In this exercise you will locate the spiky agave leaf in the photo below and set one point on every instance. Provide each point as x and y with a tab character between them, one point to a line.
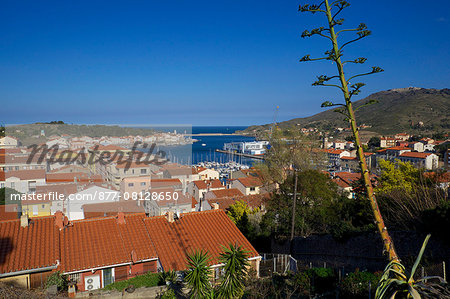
393	282
198	274
236	264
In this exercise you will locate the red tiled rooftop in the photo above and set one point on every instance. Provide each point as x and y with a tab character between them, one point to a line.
27	174
415	155
206	230
98	242
253	201
112	208
70	177
227	192
250	182
213	184
9	212
398	148
166	197
63	188
164	183
110	147
31	247
348	158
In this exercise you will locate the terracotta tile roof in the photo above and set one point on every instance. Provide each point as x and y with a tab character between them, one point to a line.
31	247
181	199
112	208
64	188
206	230
109	148
69	177
9	212
253	201
250	182
214	184
350	177
127	164
333	151
398	148
200	169
226	193
164	183
98	242
22	159
68	168
341	183
180	171
27	174
415	155
348	158
10	151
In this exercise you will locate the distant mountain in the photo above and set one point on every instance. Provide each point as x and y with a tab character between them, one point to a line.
398	110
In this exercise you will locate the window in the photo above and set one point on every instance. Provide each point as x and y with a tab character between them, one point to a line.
130	184
13	185
35	210
43	206
252	188
2	185
143	184
143	171
75	277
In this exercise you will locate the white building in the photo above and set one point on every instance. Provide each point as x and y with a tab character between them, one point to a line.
8	142
251	148
94	194
24	181
420	160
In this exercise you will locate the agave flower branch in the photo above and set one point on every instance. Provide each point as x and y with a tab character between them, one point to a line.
331	9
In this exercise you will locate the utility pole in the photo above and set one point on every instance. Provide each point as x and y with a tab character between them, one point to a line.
294	205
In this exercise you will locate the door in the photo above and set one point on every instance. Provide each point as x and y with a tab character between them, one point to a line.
107	277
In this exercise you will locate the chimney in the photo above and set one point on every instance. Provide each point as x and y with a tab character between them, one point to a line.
59	220
120	218
24	220
170	216
215	206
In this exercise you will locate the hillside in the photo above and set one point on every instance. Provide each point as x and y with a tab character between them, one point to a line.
30	133
414	110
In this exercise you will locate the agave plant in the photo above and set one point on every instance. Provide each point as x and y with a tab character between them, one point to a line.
236	264
168	277
394	282
198	275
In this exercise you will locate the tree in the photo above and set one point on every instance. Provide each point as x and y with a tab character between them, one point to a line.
374	142
317	210
236	264
398	176
198	274
289	149
348	89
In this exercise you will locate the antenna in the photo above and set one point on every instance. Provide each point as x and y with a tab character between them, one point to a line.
274	123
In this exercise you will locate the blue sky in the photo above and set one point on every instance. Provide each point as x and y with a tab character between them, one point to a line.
200	62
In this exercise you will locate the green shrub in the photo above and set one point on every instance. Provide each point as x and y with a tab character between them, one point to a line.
57	279
322	279
145	280
356	284
169	294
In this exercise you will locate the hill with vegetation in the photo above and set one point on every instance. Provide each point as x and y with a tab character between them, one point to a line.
413	110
